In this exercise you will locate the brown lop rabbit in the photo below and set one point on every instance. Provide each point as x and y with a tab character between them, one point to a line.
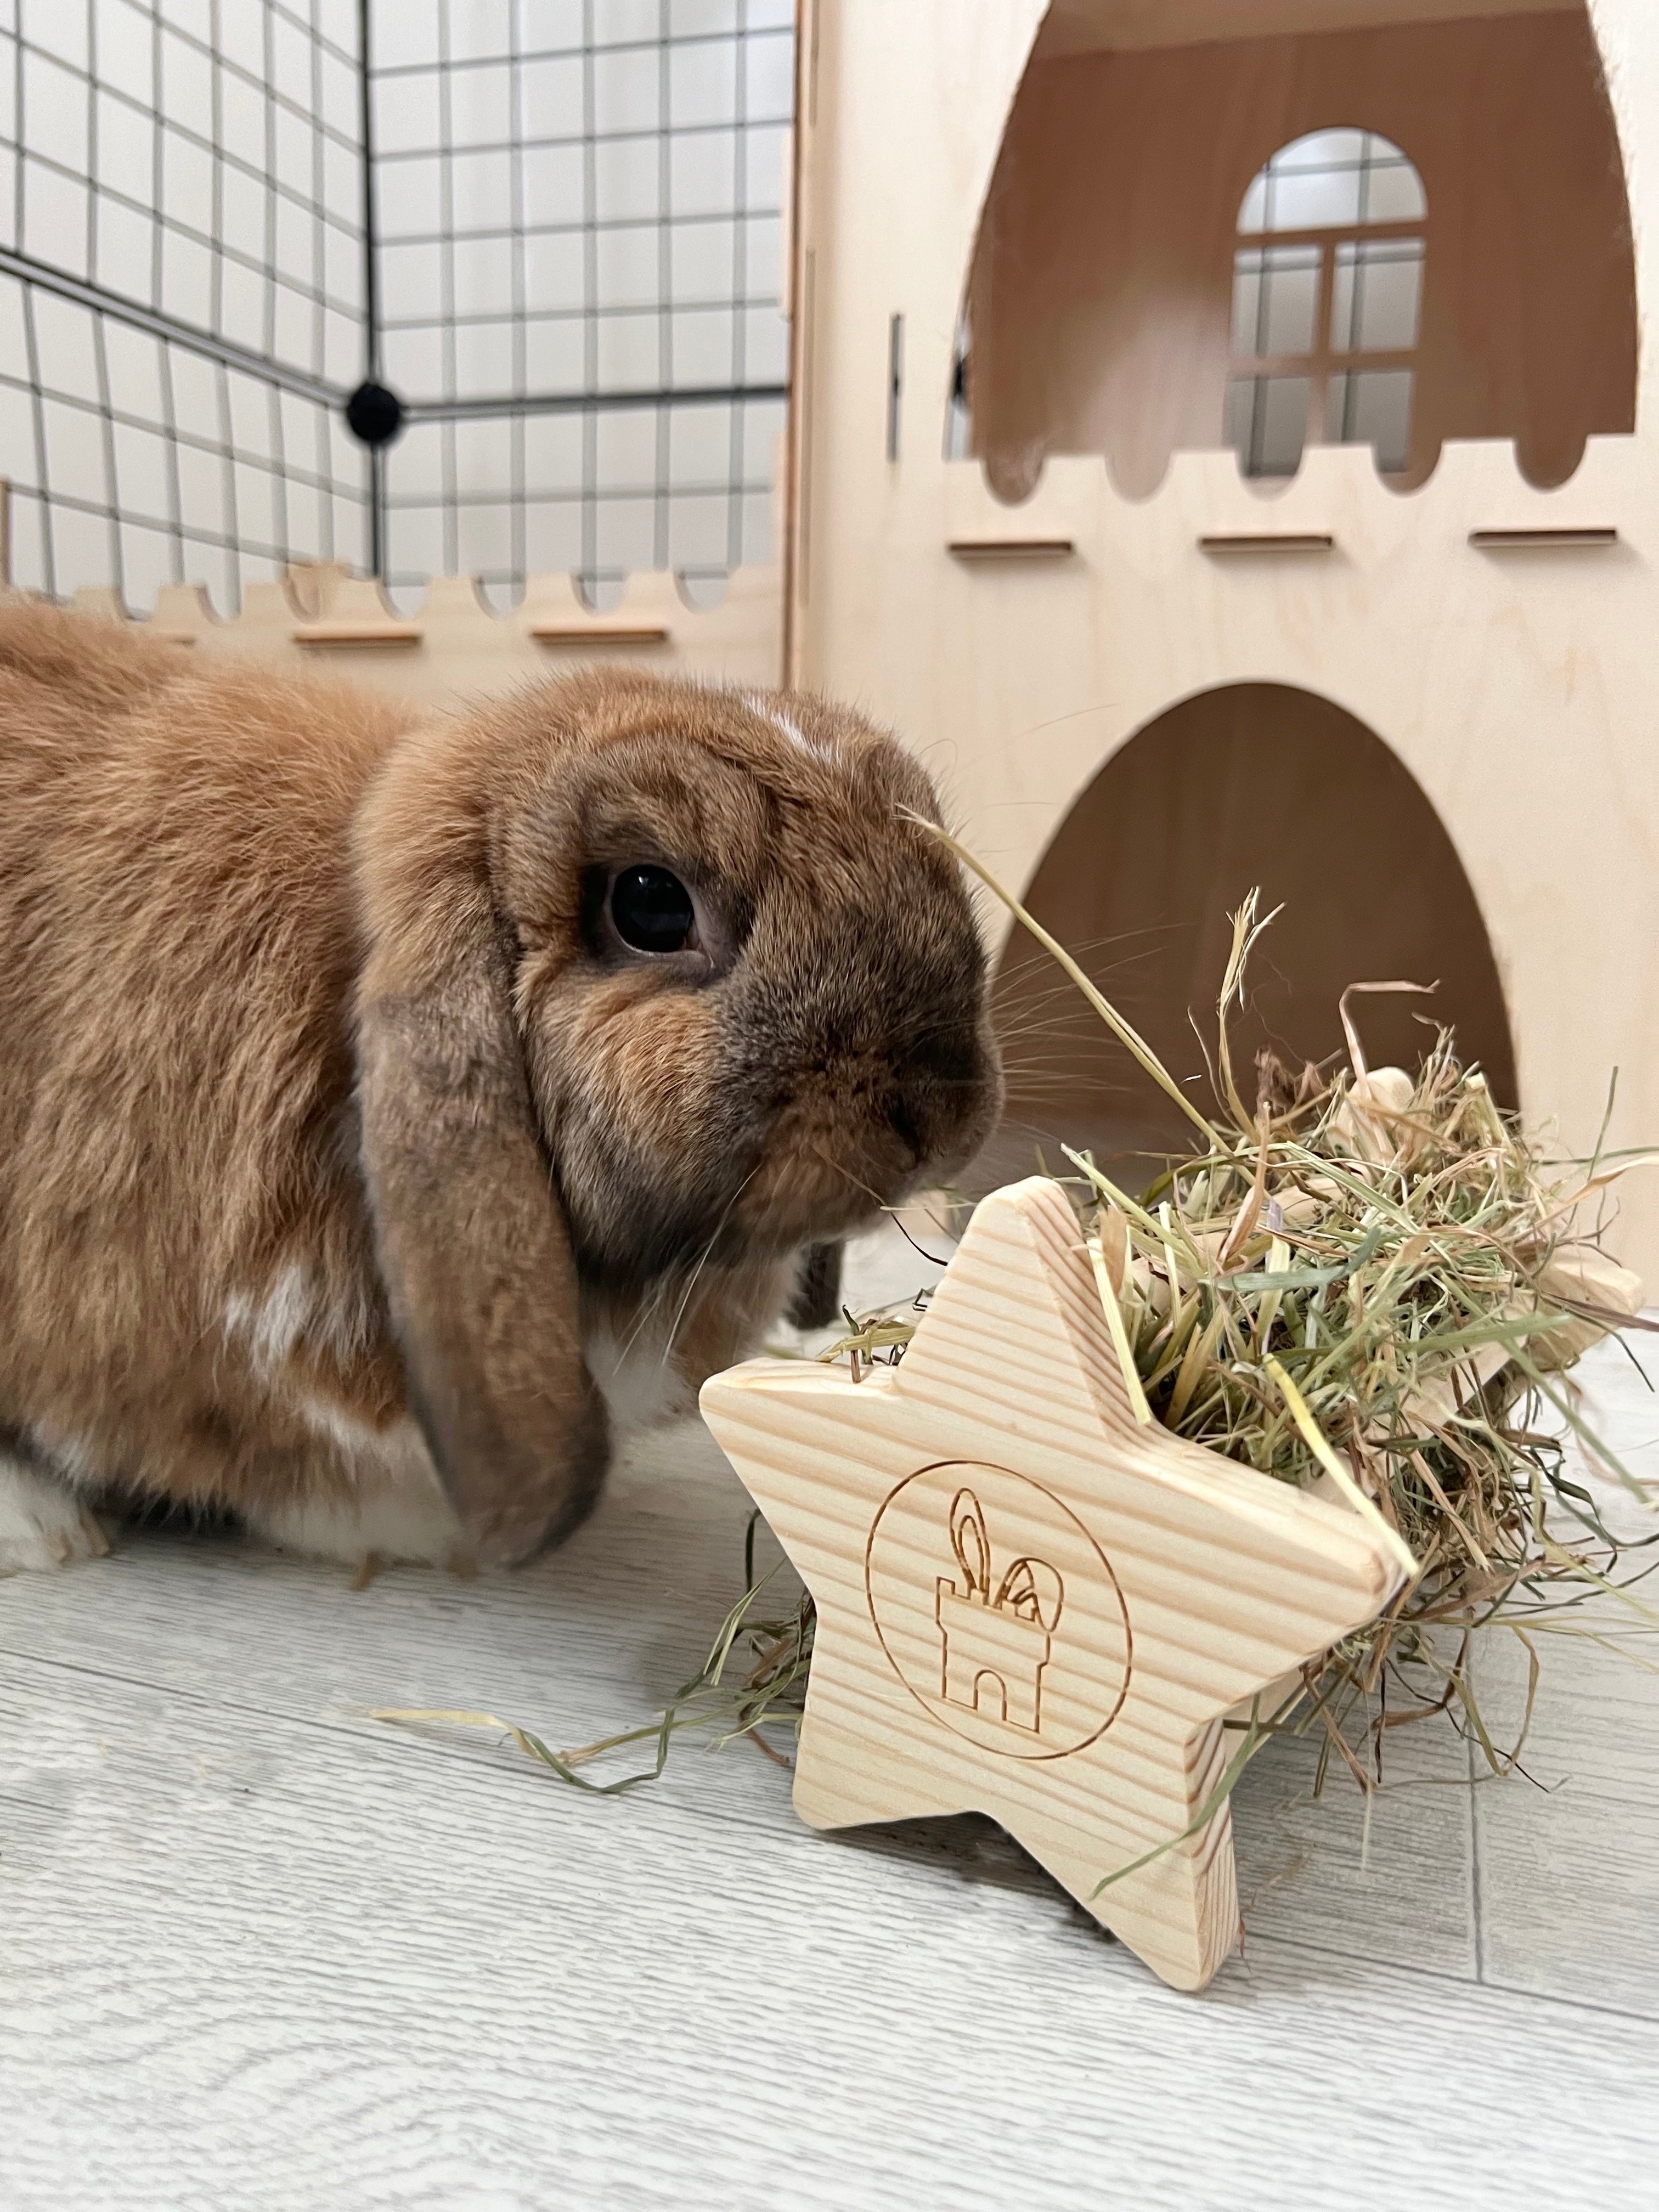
383	1098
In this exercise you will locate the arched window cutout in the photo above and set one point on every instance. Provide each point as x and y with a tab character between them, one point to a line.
1327	287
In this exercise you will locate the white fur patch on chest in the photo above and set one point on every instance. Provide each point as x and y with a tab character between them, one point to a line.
293	1309
397	1508
395	1505
638	1379
71	1459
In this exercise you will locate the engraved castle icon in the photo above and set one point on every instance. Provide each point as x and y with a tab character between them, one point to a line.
995	1643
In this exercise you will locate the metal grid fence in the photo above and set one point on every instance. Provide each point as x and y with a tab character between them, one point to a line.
181	255
580	214
576	273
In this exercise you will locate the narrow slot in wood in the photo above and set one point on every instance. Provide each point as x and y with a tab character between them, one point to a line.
1011	549
1544	540
351	633
1271	541
594	633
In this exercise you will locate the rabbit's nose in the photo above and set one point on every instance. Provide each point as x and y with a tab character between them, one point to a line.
901	1120
943	1110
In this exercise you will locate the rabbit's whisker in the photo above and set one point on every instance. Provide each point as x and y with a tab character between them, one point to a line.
841	1169
649	1305
679	1312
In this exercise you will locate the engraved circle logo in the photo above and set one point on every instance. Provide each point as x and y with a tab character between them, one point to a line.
997	1610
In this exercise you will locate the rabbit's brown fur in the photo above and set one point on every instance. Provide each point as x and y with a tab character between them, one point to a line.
337	1149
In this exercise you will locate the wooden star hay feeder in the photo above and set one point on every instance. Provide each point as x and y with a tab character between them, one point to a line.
1029	1605
1153	1478
1036	1598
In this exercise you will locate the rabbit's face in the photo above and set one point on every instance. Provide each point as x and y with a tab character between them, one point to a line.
682	954
750	990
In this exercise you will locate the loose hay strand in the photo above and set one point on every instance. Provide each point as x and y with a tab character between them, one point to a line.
1333	1466
772	1689
1125	1358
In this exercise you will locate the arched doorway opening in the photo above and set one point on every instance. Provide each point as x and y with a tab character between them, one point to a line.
1250	784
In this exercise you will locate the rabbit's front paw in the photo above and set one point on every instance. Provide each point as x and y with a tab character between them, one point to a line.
41	1524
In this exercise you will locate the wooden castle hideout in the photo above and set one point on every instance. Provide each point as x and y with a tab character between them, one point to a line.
1389	655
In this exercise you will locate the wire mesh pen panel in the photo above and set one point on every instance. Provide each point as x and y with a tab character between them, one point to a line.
181	290
551	227
580	215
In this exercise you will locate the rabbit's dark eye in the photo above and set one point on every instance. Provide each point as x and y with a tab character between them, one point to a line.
653	910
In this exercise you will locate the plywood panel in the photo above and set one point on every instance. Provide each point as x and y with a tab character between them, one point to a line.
1515	685
451	647
1101	291
1080	27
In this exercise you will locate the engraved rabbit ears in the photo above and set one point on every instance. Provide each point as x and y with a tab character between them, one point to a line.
1032	1590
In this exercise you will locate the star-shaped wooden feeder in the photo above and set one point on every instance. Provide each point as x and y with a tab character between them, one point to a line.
1030	1606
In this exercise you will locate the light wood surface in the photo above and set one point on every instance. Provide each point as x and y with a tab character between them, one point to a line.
1027	1605
1515	689
451	647
260	1954
1080	26
1101	293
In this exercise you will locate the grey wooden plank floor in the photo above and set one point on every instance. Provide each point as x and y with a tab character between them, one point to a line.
259	1951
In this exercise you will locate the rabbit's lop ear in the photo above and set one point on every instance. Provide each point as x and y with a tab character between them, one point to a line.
471	1243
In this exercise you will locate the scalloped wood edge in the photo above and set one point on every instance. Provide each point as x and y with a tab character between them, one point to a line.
453	644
